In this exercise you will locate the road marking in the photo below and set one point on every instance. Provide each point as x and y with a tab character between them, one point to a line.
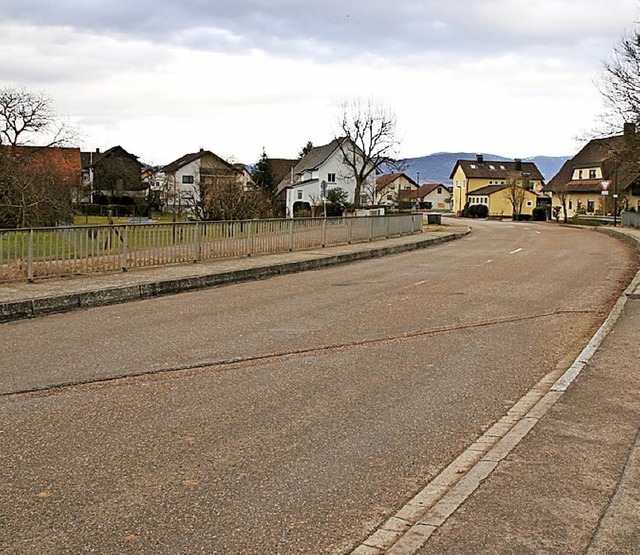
515	251
484	263
421	282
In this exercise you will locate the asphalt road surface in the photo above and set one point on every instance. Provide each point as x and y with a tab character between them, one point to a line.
291	415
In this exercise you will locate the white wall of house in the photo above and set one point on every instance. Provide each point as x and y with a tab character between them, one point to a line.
183	183
334	172
439	199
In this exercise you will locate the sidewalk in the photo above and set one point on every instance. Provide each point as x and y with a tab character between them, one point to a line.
27	300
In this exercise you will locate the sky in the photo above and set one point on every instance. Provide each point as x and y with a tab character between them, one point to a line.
163	78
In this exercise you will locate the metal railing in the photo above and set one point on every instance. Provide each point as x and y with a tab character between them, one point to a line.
29	254
631	219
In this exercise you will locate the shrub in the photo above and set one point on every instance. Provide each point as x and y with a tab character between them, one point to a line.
539	214
482	211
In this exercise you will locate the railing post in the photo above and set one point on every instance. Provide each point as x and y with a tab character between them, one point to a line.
249	239
371	228
124	248
324	232
349	230
290	234
198	245
30	257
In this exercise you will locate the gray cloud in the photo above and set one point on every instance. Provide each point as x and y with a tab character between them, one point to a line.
334	29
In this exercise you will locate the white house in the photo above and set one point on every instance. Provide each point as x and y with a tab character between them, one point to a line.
322	169
185	177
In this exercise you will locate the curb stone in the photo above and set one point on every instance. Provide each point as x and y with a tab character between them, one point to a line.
66	302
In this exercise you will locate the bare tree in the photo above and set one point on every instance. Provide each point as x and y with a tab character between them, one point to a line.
220	195
27	116
516	192
33	190
561	192
367	140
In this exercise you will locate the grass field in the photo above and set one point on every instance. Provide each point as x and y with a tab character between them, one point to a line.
103	220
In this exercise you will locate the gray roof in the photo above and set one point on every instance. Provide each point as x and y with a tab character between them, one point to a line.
316	157
486	191
188	158
488	169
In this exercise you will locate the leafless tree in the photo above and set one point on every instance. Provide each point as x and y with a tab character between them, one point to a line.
561	192
27	116
33	192
367	140
516	192
221	195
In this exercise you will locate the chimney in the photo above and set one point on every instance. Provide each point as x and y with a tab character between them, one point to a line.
518	162
201	149
480	158
97	151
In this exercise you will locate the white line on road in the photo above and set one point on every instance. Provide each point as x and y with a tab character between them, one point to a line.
515	251
485	263
421	282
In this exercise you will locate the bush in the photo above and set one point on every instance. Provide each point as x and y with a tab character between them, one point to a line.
539	214
482	211
523	217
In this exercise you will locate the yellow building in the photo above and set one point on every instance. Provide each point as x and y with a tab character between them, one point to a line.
500	199
488	182
608	164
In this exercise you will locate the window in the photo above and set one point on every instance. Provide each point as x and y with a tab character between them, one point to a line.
331	178
502	167
492	167
592	174
187	179
474	167
591	206
299	194
579	174
439	190
529	203
570	205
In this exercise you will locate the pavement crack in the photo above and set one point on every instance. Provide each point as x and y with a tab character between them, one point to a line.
233	363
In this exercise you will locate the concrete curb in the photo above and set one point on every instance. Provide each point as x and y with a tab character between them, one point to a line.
17	310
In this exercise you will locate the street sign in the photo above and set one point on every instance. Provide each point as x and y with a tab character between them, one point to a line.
605	193
605	185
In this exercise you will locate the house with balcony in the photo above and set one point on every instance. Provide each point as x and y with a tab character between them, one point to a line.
488	182
608	165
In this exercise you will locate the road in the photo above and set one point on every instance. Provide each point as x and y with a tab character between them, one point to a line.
292	415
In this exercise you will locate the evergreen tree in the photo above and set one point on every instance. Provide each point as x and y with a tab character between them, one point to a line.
305	149
263	177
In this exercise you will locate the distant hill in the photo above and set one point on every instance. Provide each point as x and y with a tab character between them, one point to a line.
436	168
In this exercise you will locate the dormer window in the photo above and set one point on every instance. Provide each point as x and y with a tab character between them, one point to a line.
502	167
592	174
492	167
473	167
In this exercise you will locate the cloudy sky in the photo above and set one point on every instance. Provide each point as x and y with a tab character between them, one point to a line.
165	77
